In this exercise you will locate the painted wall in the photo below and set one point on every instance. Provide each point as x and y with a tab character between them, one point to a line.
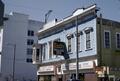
108	56
62	36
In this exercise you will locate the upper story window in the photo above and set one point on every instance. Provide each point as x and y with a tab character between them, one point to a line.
107	39
69	45
29	51
43	51
50	50
29	60
118	40
58	40
69	42
88	41
30	42
88	30
30	33
79	40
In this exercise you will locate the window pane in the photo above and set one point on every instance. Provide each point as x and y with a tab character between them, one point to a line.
30	42
107	40
118	40
30	33
88	40
29	60
69	45
50	49
29	51
43	51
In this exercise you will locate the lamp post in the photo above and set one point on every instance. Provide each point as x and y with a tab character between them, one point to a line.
14	56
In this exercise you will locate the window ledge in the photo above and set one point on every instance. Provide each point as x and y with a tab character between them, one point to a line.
80	51
70	53
88	49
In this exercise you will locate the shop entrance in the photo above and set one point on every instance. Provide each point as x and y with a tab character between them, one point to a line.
47	78
80	76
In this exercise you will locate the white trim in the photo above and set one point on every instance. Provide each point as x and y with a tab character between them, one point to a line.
109	37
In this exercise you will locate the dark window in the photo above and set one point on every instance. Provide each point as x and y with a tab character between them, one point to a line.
50	50
37	54
107	39
30	33
29	51
118	40
69	44
30	42
29	60
43	51
88	46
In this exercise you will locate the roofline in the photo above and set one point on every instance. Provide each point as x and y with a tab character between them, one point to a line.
91	8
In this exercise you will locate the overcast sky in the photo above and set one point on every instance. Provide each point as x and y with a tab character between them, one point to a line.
36	9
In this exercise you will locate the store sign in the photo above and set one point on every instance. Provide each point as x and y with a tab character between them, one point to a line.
82	65
46	68
58	48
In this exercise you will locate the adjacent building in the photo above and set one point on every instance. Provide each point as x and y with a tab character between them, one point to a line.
17	36
98	45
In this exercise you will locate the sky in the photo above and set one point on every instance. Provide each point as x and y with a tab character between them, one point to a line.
36	9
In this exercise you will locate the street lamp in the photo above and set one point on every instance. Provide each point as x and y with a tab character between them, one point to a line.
14	53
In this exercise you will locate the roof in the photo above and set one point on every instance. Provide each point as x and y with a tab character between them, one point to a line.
78	12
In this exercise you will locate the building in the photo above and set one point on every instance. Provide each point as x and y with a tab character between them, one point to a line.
1	12
97	41
16	38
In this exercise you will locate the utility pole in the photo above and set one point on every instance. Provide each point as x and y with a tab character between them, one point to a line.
14	57
77	63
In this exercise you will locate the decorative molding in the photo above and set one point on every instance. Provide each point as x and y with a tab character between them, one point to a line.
69	36
88	29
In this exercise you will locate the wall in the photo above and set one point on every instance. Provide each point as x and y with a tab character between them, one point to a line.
108	56
62	36
15	32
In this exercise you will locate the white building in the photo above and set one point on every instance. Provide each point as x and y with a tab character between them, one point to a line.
17	37
98	48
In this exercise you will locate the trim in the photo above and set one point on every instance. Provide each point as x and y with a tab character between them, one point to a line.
81	59
56	32
89	49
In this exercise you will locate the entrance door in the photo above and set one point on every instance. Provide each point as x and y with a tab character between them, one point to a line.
47	78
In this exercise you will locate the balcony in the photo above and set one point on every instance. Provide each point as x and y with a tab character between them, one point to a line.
37	56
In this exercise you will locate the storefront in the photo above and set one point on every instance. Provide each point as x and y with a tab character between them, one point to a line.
59	72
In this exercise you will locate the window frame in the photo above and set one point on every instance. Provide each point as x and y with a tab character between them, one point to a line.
88	40
108	31
30	33
29	60
117	40
43	51
69	45
30	41
50	49
29	51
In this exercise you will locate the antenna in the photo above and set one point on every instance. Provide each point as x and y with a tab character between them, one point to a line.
47	15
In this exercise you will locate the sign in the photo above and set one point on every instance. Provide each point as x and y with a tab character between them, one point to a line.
82	65
46	68
58	48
